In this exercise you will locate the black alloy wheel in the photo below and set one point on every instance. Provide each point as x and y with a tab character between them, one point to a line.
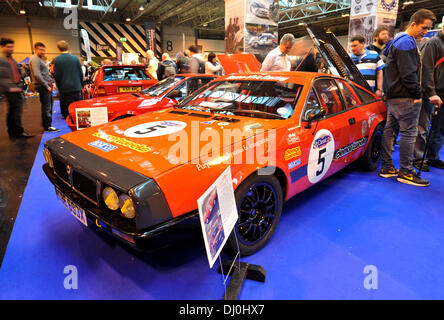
259	202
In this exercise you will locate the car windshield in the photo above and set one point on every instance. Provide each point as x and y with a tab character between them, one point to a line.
162	86
263	99
125	73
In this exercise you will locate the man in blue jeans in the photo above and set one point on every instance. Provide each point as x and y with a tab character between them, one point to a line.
43	84
402	86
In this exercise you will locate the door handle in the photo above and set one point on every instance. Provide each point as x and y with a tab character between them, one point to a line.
351	121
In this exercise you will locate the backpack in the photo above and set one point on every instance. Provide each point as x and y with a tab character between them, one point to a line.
169	69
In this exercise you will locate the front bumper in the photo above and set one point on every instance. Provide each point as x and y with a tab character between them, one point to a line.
149	239
79	176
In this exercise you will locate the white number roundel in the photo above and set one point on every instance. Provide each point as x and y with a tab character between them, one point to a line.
321	155
154	129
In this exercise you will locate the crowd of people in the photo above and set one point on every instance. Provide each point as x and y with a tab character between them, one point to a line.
407	72
68	74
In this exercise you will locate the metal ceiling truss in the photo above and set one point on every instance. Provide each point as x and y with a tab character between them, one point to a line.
299	11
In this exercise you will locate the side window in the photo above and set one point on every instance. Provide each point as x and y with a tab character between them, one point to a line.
329	95
364	95
350	99
312	105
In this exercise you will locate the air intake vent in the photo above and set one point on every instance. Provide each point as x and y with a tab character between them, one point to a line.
178	112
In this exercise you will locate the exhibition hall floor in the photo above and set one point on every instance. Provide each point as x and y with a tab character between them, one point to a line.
326	238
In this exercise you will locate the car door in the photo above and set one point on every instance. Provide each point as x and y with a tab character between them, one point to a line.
358	122
328	134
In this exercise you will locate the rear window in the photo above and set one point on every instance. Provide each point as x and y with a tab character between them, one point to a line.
126	73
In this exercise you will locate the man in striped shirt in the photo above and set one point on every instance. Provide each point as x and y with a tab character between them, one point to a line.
369	63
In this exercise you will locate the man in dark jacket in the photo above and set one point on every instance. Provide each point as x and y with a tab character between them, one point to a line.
10	85
166	68
433	91
402	87
68	76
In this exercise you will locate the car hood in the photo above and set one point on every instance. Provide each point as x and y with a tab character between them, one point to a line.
154	143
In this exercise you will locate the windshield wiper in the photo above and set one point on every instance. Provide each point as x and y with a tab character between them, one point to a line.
255	112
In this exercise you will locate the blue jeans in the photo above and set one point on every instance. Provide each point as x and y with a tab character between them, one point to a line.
402	113
46	101
437	137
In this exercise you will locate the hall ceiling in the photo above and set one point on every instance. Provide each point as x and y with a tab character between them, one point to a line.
204	15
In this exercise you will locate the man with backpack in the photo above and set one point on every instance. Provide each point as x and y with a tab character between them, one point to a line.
166	68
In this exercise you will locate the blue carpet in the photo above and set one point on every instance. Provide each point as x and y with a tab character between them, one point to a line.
326	237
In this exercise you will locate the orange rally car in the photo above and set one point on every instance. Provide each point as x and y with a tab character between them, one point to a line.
280	133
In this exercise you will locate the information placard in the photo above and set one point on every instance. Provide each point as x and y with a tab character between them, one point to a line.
218	214
89	117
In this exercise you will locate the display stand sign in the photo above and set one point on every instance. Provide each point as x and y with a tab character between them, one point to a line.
89	117
218	215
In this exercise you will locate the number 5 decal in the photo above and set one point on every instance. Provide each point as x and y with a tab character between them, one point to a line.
321	161
321	155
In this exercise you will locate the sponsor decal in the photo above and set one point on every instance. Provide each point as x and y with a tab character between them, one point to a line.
102	145
257	77
350	148
155	129
322	141
364	127
371	119
292	153
139	147
292	138
294	164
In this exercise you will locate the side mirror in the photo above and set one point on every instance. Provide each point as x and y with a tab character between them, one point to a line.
175	94
314	114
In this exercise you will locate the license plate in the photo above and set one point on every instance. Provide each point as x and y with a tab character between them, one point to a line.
75	210
130	89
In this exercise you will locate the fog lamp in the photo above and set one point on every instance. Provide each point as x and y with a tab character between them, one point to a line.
48	157
111	199
127	206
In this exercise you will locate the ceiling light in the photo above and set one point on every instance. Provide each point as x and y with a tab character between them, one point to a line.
128	19
141	8
22	11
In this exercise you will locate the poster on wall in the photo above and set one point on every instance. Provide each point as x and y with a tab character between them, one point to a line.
89	117
363	25
234	26
150	32
367	15
86	43
218	215
261	26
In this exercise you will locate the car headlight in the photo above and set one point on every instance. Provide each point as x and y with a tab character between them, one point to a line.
48	157
111	199
127	206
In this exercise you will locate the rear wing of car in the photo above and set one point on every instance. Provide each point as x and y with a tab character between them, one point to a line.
333	53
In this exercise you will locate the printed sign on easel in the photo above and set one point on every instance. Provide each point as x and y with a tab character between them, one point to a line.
218	214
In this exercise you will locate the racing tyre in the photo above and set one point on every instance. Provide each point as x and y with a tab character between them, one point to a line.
372	155
259	203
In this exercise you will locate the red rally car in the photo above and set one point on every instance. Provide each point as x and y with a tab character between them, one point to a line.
118	79
163	94
280	133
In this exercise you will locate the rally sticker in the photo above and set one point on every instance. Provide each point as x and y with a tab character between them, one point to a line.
155	129
321	155
102	145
